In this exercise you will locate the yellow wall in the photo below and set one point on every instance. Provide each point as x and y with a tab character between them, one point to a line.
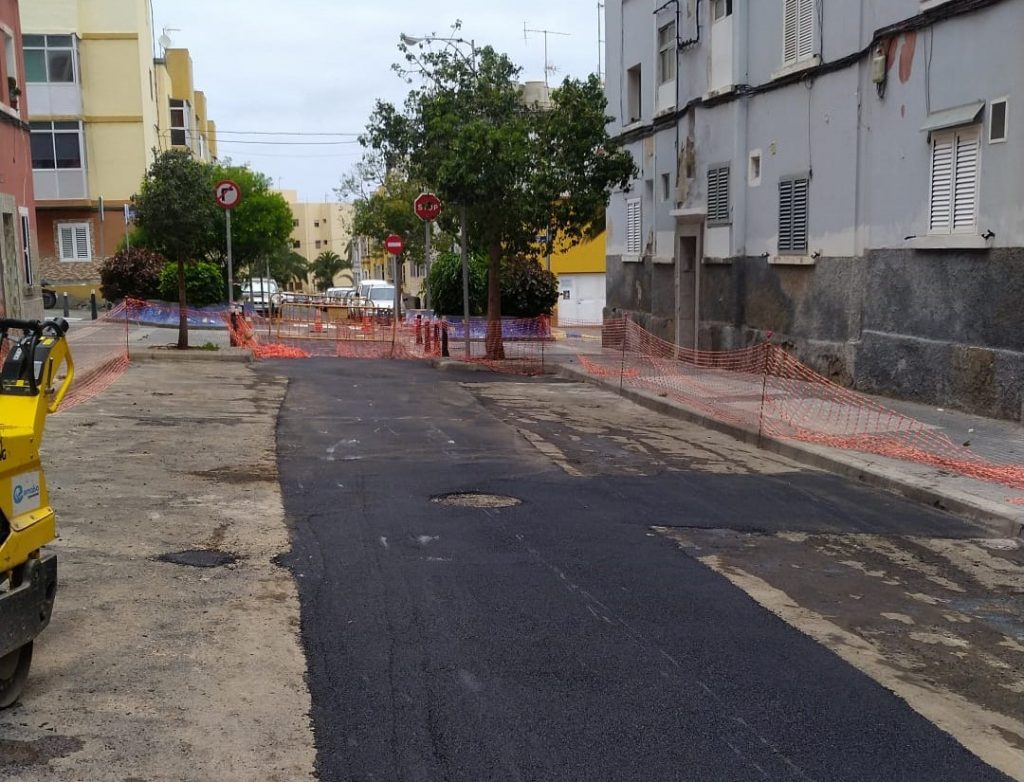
211	138
111	82
55	16
586	257
117	159
179	65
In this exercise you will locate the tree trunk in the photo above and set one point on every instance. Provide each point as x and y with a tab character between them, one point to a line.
182	311
495	347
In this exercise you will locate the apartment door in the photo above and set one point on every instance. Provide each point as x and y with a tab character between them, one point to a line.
689	249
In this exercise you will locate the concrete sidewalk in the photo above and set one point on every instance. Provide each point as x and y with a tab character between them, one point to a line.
988	502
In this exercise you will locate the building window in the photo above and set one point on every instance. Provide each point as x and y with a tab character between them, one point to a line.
953	198
180	123
997	116
10	69
296	245
633	86
667	53
721	9
666	187
793	215
718	195
56	145
754	169
798	31
75	241
295	223
318	243
633	226
50	59
26	248
316	223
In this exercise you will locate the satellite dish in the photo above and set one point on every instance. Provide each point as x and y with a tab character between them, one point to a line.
164	41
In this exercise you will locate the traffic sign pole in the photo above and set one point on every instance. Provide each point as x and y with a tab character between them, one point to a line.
426	258
229	195
427	207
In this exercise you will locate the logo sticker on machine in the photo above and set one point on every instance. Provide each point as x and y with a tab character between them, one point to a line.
25	492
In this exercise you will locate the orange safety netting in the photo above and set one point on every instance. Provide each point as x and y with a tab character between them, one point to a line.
760	388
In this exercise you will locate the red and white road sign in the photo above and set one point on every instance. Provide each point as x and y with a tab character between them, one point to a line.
228	194
394	244
427	207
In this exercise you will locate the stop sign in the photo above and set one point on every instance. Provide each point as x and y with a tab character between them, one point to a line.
394	244
427	206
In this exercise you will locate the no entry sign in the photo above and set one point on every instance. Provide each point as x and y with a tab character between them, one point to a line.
394	244
427	206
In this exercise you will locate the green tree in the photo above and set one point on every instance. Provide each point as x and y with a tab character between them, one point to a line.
175	206
444	284
288	266
527	290
326	267
204	283
134	272
510	168
260	224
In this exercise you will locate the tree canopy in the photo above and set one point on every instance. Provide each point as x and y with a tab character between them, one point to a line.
513	169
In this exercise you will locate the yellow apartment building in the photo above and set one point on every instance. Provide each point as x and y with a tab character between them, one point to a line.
99	104
318	227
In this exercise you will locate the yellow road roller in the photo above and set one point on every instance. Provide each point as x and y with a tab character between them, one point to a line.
34	378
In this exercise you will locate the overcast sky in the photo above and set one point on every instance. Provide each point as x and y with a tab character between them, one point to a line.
317	66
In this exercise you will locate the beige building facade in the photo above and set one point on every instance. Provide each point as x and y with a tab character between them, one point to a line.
318	227
100	103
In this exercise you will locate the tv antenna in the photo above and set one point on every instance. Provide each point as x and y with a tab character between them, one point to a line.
165	41
548	67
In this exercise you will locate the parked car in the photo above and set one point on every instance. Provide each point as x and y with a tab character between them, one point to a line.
260	294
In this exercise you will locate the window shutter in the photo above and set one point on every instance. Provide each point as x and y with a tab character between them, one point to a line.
940	203
793	204
82	243
800	215
805	35
718	195
789	31
965	181
633	226
67	243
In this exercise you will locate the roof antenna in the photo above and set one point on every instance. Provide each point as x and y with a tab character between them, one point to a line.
549	68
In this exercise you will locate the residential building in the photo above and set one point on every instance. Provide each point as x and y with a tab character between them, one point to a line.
20	294
844	174
318	227
374	263
101	104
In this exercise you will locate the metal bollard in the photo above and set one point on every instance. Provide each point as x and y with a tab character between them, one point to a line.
426	339
92	302
444	341
419	329
67	310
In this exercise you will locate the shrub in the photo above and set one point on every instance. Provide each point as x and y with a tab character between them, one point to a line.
527	290
444	284
134	272
203	283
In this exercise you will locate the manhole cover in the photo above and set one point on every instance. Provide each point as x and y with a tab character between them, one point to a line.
201	557
472	499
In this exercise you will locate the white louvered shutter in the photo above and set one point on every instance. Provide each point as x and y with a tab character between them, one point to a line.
633	226
965	181
940	206
805	34
790	31
67	242
82	243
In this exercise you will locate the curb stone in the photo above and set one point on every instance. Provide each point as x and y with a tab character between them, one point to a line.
161	353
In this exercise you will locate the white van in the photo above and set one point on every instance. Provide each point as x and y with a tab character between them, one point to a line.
378	294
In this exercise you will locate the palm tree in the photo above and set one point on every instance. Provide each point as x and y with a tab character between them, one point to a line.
326	267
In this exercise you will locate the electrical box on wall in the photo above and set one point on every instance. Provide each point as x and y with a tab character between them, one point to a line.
879	63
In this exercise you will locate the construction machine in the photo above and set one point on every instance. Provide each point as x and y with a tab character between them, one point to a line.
34	378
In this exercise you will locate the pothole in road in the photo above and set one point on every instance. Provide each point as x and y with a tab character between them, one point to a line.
200	557
473	499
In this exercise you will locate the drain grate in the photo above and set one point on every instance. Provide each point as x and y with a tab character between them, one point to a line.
199	557
474	499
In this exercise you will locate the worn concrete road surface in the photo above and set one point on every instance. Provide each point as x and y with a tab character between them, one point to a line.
652	602
152	670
